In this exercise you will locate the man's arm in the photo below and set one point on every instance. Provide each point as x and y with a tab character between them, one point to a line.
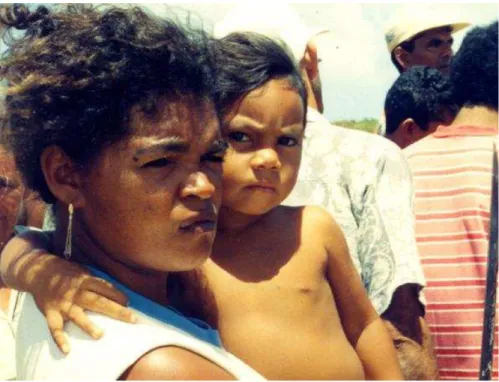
410	334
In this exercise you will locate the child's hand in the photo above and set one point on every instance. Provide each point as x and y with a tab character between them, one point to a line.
63	290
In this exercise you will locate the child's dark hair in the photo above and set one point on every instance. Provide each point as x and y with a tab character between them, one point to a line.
76	73
419	93
474	69
247	61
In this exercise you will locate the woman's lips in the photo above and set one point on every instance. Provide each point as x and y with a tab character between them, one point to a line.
199	227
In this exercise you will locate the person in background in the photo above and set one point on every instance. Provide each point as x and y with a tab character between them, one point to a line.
419	100
419	34
11	196
363	181
452	171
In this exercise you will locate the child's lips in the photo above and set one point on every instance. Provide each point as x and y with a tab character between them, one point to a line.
265	187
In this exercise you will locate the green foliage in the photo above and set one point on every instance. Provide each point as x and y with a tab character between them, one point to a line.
369	125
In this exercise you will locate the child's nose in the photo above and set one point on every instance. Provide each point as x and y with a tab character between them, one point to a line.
266	159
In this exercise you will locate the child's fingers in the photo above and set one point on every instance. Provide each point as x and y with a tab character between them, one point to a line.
106	289
77	315
99	304
55	323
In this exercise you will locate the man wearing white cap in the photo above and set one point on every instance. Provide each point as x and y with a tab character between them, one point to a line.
421	35
363	180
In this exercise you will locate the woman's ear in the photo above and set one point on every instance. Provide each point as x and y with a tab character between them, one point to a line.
64	177
310	61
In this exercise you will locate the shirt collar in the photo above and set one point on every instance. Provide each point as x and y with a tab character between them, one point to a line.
166	314
464	130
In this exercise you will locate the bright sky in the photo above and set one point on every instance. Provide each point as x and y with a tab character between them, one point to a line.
356	70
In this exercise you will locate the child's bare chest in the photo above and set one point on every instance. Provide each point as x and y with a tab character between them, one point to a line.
280	315
266	277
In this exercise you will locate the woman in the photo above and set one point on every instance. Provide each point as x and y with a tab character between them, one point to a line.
111	120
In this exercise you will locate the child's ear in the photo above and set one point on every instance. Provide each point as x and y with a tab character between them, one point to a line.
64	177
310	61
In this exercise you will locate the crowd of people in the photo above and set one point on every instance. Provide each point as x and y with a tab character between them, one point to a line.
184	210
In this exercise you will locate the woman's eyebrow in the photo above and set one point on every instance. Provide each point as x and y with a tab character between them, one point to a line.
166	146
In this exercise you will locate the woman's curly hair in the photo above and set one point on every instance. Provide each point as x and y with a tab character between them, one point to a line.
76	73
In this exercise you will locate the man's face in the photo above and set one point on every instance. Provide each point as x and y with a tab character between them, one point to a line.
151	200
432	48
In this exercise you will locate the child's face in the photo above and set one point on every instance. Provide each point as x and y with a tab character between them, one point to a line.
265	132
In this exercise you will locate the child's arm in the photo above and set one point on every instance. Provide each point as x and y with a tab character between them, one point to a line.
363	327
62	289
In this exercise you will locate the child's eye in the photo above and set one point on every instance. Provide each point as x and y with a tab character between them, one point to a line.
239	137
162	162
287	141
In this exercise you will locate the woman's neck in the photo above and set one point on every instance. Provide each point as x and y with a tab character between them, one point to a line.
85	250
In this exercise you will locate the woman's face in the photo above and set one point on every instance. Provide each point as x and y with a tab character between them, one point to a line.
151	201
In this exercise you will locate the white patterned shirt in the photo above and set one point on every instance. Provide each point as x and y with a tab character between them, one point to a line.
364	181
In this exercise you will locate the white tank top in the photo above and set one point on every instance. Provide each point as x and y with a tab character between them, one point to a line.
37	356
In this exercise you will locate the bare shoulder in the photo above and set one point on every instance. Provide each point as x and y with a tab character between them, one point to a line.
320	220
319	225
174	363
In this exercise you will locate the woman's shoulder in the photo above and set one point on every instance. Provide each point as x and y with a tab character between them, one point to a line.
110	357
174	363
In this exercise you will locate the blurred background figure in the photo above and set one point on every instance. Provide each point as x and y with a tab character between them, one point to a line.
11	196
452	171
418	34
18	205
419	100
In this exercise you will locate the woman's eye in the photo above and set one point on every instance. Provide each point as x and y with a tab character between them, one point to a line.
217	158
287	141
239	137
162	162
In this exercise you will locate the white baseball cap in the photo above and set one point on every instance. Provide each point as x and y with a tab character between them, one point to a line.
273	19
408	21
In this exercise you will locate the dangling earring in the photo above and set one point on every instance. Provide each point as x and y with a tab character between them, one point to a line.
67	249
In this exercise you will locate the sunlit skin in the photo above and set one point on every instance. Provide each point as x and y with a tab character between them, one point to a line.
432	48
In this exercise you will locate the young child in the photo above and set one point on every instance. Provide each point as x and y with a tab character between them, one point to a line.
287	298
